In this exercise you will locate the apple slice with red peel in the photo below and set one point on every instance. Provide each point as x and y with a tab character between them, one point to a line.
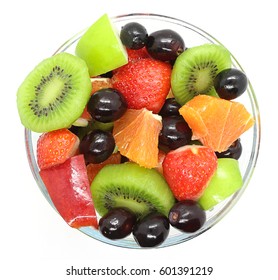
225	182
69	189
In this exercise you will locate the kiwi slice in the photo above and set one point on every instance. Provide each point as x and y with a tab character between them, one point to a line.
54	94
129	185
195	69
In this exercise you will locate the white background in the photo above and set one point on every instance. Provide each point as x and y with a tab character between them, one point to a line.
35	242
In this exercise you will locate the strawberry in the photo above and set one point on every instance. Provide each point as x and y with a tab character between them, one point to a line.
134	55
188	170
145	83
55	147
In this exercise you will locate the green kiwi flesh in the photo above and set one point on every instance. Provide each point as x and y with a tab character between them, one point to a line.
129	185
54	94
195	69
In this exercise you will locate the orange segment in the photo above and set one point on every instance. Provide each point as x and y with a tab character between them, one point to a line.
216	122
136	136
243	120
196	122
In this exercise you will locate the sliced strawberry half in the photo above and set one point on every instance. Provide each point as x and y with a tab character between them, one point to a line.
188	170
145	83
69	190
134	55
55	147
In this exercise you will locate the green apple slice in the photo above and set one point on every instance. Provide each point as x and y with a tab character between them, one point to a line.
101	47
226	181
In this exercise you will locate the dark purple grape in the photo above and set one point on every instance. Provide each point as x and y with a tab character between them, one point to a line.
170	108
152	230
74	129
108	74
107	105
117	223
165	45
230	83
234	151
175	133
134	35
187	216
97	146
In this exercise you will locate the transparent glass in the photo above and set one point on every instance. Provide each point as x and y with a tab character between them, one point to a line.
193	36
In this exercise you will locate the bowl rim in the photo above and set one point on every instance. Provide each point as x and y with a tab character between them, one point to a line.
174	240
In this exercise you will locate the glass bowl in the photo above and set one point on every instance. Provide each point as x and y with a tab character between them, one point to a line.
250	140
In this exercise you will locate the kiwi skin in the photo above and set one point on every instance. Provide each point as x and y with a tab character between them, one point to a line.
129	185
195	69
54	94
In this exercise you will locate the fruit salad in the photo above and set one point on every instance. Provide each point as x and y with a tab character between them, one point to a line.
140	133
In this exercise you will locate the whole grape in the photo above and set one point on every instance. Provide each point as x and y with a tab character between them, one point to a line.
134	35
187	216
106	105
152	230
117	223
230	83
175	133
165	45
97	146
